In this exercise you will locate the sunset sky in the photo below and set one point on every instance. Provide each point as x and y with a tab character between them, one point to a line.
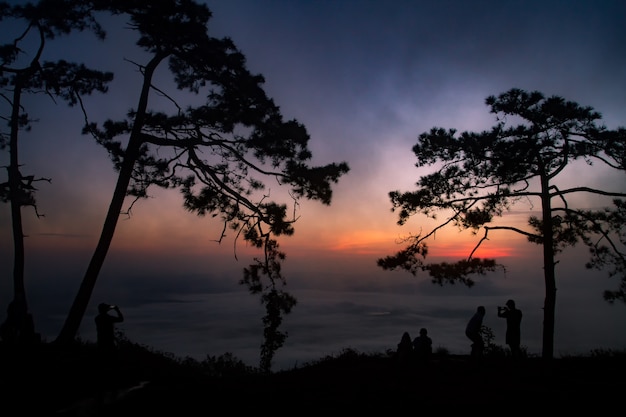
365	78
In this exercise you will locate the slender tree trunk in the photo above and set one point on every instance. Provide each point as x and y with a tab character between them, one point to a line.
81	301
549	306
16	201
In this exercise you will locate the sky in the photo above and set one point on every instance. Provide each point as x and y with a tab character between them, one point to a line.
365	78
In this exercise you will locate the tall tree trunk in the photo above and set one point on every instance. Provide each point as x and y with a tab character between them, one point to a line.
549	306
81	301
19	309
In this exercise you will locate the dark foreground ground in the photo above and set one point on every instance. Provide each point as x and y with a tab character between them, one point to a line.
49	381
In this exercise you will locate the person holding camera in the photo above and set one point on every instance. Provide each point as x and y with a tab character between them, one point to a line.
105	325
513	318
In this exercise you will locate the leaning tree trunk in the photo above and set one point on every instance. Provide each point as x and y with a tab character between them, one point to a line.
81	301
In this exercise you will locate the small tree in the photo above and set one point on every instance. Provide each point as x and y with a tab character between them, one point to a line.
216	153
58	80
484	174
277	302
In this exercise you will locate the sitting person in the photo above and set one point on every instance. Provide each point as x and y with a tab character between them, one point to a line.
423	345
404	353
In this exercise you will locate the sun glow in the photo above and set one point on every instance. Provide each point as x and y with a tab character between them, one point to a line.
362	242
464	250
382	243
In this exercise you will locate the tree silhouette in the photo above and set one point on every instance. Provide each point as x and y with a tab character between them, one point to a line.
277	302
217	153
18	77
483	174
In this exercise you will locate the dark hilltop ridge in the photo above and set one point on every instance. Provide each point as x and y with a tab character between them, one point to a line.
46	380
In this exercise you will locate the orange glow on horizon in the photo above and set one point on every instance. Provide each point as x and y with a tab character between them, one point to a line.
379	243
365	242
371	243
466	250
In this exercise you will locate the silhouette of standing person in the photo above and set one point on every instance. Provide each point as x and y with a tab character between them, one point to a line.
423	346
473	332
18	330
513	318
105	326
9	330
107	355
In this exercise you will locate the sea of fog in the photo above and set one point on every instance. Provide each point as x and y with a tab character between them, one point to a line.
327	322
340	305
